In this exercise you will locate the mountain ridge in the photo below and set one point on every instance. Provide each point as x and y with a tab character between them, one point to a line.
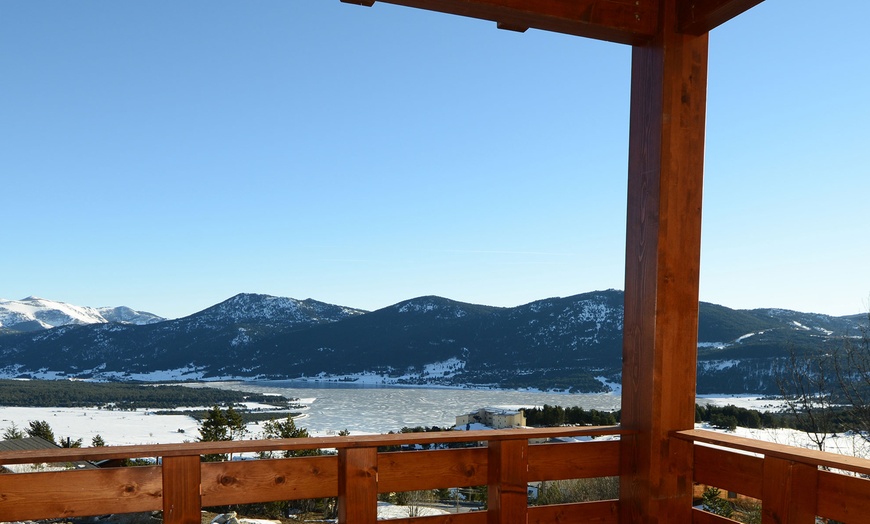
572	343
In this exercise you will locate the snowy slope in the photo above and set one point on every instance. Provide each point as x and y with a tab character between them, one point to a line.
34	314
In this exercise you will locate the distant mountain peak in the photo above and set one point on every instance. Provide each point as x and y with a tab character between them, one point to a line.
35	314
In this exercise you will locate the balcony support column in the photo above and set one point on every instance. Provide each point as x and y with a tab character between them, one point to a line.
508	480
790	492
665	175
357	485
182	479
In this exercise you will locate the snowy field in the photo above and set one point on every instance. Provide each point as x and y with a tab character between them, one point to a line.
144	427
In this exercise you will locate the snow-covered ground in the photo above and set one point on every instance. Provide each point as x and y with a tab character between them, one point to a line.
145	427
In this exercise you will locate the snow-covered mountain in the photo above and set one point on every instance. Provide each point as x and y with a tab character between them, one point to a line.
572	343
36	314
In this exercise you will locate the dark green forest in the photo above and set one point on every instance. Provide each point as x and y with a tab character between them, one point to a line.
121	396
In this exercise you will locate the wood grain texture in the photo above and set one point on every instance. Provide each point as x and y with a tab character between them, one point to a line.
728	470
508	480
600	512
267	480
573	460
772	449
843	498
663	239
181	488
705	517
358	486
418	470
790	492
29	496
702	16
253	446
473	517
621	21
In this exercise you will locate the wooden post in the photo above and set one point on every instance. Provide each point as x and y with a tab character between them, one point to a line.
357	485
508	484
181	490
665	173
789	492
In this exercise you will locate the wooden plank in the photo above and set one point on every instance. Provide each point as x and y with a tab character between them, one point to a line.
472	517
253	446
573	460
790	491
267	480
29	496
508	480
771	449
705	517
665	179
417	470
728	470
600	512
181	485
358	486
843	498
701	16
621	21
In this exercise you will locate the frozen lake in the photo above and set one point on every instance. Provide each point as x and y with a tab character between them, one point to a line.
332	407
327	408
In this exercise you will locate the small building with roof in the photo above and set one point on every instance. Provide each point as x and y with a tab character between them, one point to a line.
496	418
36	443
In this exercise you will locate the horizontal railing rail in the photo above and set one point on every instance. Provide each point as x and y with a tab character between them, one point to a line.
181	484
794	485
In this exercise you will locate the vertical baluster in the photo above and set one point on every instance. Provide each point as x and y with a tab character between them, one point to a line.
358	485
182	503
789	492
508	474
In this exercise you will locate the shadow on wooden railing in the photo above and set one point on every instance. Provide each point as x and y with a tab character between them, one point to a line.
795	485
181	484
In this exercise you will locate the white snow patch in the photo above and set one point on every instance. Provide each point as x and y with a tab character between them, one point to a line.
744	337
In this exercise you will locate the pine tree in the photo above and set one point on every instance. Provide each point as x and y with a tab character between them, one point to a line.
40	428
214	428
286	429
715	504
13	432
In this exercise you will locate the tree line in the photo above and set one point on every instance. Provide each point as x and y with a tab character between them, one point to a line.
121	396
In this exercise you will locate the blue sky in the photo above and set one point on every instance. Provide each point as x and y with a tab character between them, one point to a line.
168	155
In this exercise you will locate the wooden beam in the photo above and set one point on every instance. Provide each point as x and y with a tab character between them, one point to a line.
181	488
508	480
663	240
358	486
790	492
697	17
621	21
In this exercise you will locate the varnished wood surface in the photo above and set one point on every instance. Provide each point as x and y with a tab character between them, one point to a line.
662	268
701	16
410	471
29	496
843	498
621	21
252	446
508	480
181	490
358	485
700	516
731	471
787	480
249	481
807	456
573	460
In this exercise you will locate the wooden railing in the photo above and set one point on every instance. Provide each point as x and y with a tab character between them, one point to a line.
180	485
794	485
